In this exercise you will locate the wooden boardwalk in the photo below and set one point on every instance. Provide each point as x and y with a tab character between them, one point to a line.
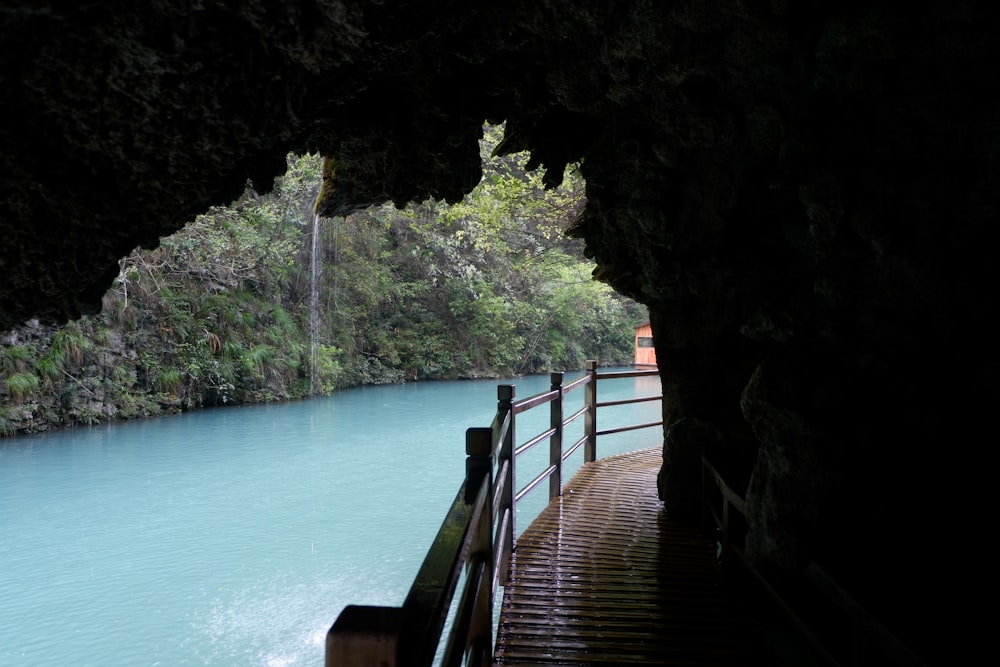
604	577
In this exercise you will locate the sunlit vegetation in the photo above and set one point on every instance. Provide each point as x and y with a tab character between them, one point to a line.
228	310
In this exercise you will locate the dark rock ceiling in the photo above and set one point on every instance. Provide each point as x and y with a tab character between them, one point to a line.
802	193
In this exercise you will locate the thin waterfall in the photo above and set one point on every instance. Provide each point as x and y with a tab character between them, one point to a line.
314	322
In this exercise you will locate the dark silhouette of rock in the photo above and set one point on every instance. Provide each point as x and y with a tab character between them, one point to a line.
802	193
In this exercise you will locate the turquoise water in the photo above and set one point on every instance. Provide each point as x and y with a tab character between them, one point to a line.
235	536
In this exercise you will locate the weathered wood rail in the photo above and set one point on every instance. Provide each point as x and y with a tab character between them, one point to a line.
470	556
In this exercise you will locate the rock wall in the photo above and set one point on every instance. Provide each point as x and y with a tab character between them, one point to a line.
800	192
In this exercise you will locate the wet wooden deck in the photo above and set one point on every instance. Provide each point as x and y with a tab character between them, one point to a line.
604	577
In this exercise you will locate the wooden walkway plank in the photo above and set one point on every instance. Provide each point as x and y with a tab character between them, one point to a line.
604	577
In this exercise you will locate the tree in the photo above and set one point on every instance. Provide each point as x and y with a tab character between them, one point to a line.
228	309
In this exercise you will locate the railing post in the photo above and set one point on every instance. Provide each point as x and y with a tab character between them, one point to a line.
505	407
478	443
364	636
479	467
590	418
555	442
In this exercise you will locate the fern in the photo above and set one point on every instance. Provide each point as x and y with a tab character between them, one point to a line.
22	385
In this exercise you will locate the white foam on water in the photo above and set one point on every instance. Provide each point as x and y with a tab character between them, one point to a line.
283	621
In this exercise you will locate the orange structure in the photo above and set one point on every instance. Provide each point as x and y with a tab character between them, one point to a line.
645	353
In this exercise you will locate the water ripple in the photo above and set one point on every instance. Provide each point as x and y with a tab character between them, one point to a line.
225	537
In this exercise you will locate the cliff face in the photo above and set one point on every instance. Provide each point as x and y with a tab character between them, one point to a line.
800	196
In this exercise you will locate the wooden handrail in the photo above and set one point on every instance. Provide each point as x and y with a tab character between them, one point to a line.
634	427
629	401
544	475
477	537
611	375
576	384
572	448
541	437
576	415
534	401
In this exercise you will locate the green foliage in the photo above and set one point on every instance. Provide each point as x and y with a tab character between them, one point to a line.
133	406
168	381
87	417
17	358
7	427
258	358
21	386
49	367
282	320
232	349
487	286
123	376
228	310
69	344
328	372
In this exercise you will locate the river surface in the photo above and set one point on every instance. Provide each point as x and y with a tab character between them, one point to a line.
235	536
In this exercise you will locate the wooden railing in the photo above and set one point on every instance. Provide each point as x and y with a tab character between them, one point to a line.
472	551
845	623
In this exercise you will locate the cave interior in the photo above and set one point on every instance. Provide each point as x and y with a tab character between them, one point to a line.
800	193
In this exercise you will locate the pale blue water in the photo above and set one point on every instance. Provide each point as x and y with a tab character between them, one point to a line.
234	537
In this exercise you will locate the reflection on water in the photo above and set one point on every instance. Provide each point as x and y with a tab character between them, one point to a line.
236	536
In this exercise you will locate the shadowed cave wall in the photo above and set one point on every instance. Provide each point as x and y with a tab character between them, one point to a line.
801	193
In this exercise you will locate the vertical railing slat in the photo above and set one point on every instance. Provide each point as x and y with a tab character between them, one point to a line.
556	440
590	419
505	410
